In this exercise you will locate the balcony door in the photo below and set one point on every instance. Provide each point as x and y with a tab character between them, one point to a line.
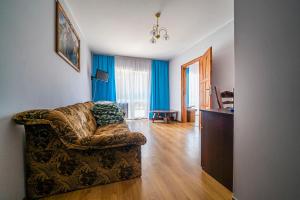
133	85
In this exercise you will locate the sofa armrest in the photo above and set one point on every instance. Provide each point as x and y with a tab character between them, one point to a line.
58	122
31	117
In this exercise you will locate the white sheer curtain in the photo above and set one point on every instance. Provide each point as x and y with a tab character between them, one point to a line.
194	89
194	85
133	85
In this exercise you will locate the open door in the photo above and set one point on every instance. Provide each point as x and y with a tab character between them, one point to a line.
205	79
205	82
205	73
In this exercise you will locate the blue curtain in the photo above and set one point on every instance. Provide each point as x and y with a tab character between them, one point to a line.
104	91
187	97
160	97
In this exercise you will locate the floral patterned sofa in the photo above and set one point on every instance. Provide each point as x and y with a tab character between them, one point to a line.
66	151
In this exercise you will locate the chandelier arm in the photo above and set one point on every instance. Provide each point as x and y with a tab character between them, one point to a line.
163	30
155	29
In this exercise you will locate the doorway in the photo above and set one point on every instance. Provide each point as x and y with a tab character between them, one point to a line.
204	65
192	92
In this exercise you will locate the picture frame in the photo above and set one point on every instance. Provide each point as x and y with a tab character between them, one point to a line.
67	41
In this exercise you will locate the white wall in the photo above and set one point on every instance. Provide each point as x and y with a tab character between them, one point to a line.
222	42
32	76
267	131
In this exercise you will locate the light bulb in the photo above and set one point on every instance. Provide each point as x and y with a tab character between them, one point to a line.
166	37
153	40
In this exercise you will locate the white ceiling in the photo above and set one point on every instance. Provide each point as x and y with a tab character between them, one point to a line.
122	27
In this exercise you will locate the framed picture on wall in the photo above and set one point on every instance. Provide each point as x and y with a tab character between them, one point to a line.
67	41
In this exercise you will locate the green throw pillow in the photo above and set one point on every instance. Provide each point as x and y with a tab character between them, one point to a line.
108	113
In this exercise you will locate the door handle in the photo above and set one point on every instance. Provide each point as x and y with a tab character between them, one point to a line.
210	90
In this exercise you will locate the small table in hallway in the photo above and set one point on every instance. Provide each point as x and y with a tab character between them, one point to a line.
165	115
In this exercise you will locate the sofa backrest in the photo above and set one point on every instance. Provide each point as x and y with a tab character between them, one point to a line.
80	118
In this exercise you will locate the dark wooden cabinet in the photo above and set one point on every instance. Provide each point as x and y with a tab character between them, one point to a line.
217	145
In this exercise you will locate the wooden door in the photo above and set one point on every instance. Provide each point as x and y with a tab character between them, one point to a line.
205	66
205	79
205	82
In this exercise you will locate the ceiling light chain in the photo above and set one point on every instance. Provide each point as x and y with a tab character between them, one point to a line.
156	31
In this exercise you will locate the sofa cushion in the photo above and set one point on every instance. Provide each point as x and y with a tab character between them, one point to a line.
107	113
80	118
114	135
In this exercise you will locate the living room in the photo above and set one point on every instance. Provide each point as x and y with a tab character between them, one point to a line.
117	100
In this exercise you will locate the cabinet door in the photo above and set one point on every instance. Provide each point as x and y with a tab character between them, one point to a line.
217	146
204	147
212	143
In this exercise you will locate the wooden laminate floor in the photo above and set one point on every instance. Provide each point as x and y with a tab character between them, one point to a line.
171	169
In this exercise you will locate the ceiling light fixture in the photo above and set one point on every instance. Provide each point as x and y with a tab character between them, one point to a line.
157	31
